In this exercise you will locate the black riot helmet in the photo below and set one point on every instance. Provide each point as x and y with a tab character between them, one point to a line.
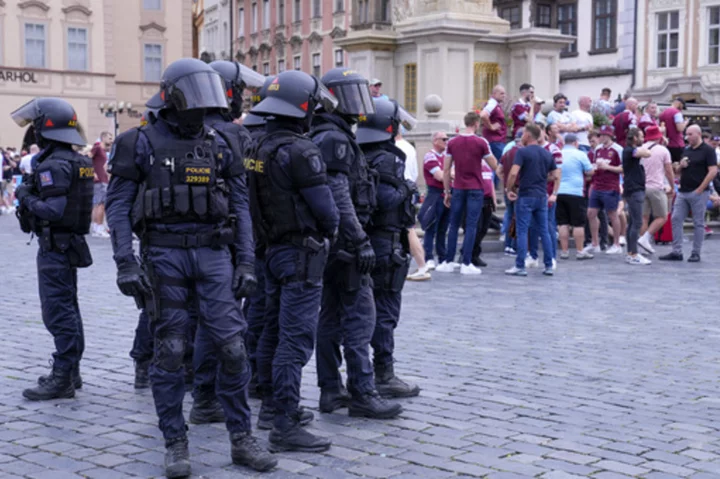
189	84
294	94
252	120
52	119
384	124
352	91
236	78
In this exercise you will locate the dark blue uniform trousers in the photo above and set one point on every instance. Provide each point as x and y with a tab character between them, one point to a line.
346	317
142	349
291	317
208	273
255	314
57	285
387	304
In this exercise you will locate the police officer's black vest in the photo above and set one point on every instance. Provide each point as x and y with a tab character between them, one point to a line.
78	210
279	214
182	185
363	180
398	217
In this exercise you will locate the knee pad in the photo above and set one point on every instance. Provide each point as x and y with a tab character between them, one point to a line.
233	356
170	353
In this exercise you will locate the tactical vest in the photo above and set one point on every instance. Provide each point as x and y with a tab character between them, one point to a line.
78	210
362	179
397	217
182	185
278	212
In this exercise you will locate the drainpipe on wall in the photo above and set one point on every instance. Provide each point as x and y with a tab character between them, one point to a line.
232	33
635	32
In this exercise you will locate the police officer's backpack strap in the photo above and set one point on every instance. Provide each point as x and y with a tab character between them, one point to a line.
122	156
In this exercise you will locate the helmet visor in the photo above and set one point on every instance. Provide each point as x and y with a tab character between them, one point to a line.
199	90
406	119
252	79
25	115
354	99
326	99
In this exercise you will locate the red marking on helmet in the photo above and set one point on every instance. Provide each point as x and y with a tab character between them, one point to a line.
162	95
304	106
74	118
229	93
331	91
275	81
49	123
389	129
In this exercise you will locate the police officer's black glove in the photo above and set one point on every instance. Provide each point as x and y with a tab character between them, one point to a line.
23	191
365	257
244	281
132	280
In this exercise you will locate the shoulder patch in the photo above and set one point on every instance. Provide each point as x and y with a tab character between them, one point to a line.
314	164
46	178
340	150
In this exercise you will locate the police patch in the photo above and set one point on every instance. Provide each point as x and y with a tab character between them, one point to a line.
340	151
314	164
46	179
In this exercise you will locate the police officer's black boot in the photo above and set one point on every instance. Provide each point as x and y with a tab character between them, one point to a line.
76	378
267	415
390	386
57	385
288	435
206	409
332	399
372	406
177	457
246	451
142	377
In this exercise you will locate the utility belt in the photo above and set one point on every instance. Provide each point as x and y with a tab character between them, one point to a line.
311	261
390	275
64	242
215	239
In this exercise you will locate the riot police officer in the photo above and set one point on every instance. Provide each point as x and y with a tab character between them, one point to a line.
295	214
388	234
177	184
55	205
348	306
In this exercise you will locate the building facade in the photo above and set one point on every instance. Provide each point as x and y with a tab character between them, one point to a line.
215	40
602	54
88	52
277	35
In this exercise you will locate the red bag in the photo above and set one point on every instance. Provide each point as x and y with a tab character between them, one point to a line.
664	234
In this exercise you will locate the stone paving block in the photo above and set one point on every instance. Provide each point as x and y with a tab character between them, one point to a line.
668	468
621	468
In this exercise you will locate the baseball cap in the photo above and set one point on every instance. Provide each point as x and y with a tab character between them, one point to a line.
539	100
375	81
607	130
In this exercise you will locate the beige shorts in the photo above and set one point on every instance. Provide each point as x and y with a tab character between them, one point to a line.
656	203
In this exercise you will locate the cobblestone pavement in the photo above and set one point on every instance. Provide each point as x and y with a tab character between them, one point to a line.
603	371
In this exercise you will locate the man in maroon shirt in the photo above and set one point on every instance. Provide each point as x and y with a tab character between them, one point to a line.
436	231
672	120
493	119
521	111
99	159
625	120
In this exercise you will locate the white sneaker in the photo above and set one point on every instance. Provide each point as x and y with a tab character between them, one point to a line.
419	275
622	241
592	249
515	271
470	269
638	260
455	265
431	265
582	255
644	242
444	267
614	249
531	263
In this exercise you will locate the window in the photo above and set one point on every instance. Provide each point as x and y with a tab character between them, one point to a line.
152	4
485	77
254	67
604	18
281	66
512	15
316	8
411	87
254	18
266	68
339	58
281	12
297	11
385	11
544	16
153	62
668	39
339	5
266	14
567	24
296	62
363	12
35	45
316	65
714	36
77	49
241	22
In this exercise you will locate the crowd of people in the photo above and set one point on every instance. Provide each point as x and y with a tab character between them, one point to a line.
612	177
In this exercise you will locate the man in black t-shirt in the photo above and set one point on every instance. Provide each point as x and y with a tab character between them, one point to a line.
699	167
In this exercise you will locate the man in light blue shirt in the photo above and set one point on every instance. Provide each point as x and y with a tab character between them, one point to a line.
571	204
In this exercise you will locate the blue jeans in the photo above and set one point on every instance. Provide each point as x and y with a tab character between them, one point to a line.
507	219
496	148
437	232
552	231
532	209
471	203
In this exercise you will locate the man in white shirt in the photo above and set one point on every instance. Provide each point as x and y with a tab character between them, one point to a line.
583	120
411	166
560	116
26	162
